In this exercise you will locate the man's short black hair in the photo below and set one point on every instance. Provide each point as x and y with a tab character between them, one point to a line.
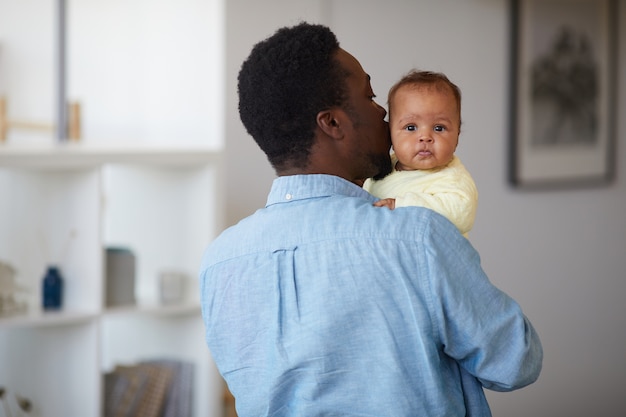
284	83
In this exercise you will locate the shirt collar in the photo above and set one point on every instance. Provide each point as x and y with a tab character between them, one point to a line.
299	187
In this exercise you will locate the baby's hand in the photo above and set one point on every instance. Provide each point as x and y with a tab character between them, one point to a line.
390	203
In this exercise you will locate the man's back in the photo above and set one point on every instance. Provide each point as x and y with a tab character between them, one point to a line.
321	304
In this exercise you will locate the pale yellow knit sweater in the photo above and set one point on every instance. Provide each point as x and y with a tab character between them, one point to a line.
450	191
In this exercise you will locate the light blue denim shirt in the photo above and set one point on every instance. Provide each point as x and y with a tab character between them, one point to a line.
320	304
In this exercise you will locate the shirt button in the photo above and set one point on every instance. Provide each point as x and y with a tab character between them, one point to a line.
288	196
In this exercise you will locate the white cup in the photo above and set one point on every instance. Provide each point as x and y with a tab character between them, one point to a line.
172	286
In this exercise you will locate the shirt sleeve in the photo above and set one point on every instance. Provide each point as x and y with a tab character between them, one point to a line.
479	326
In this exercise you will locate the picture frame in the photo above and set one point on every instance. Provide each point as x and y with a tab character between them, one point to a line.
563	93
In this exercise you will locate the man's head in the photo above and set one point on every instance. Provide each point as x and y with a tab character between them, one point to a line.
297	99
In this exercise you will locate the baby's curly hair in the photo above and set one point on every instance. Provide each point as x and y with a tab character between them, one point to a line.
284	83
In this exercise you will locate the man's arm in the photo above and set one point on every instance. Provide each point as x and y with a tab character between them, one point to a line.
479	325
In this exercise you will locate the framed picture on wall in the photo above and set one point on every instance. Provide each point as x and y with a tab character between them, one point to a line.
563	92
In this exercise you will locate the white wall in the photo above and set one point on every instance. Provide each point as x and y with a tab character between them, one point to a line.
142	70
147	70
561	254
27	60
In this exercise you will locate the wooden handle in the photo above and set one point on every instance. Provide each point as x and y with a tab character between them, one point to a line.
73	121
3	119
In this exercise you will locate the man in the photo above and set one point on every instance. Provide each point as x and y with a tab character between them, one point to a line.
321	304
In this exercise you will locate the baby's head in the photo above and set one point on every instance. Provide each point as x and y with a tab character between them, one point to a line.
424	119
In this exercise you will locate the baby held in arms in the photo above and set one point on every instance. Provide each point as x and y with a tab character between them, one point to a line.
425	123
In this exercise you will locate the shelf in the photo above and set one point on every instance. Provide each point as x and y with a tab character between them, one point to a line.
69	155
65	204
64	318
146	176
186	309
47	319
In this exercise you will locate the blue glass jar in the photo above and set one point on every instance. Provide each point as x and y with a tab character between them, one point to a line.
52	289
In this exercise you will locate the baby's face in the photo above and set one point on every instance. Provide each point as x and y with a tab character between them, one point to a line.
424	123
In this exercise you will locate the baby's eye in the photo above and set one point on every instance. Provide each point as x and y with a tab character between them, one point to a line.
439	128
410	128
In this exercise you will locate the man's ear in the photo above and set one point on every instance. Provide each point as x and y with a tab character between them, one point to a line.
329	122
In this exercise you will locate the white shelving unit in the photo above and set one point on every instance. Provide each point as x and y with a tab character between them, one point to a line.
64	204
145	177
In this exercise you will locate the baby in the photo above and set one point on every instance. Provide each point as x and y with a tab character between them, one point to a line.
425	122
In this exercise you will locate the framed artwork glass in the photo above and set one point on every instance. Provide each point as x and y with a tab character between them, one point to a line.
563	92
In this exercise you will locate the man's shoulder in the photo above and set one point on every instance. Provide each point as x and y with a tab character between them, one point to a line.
334	217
